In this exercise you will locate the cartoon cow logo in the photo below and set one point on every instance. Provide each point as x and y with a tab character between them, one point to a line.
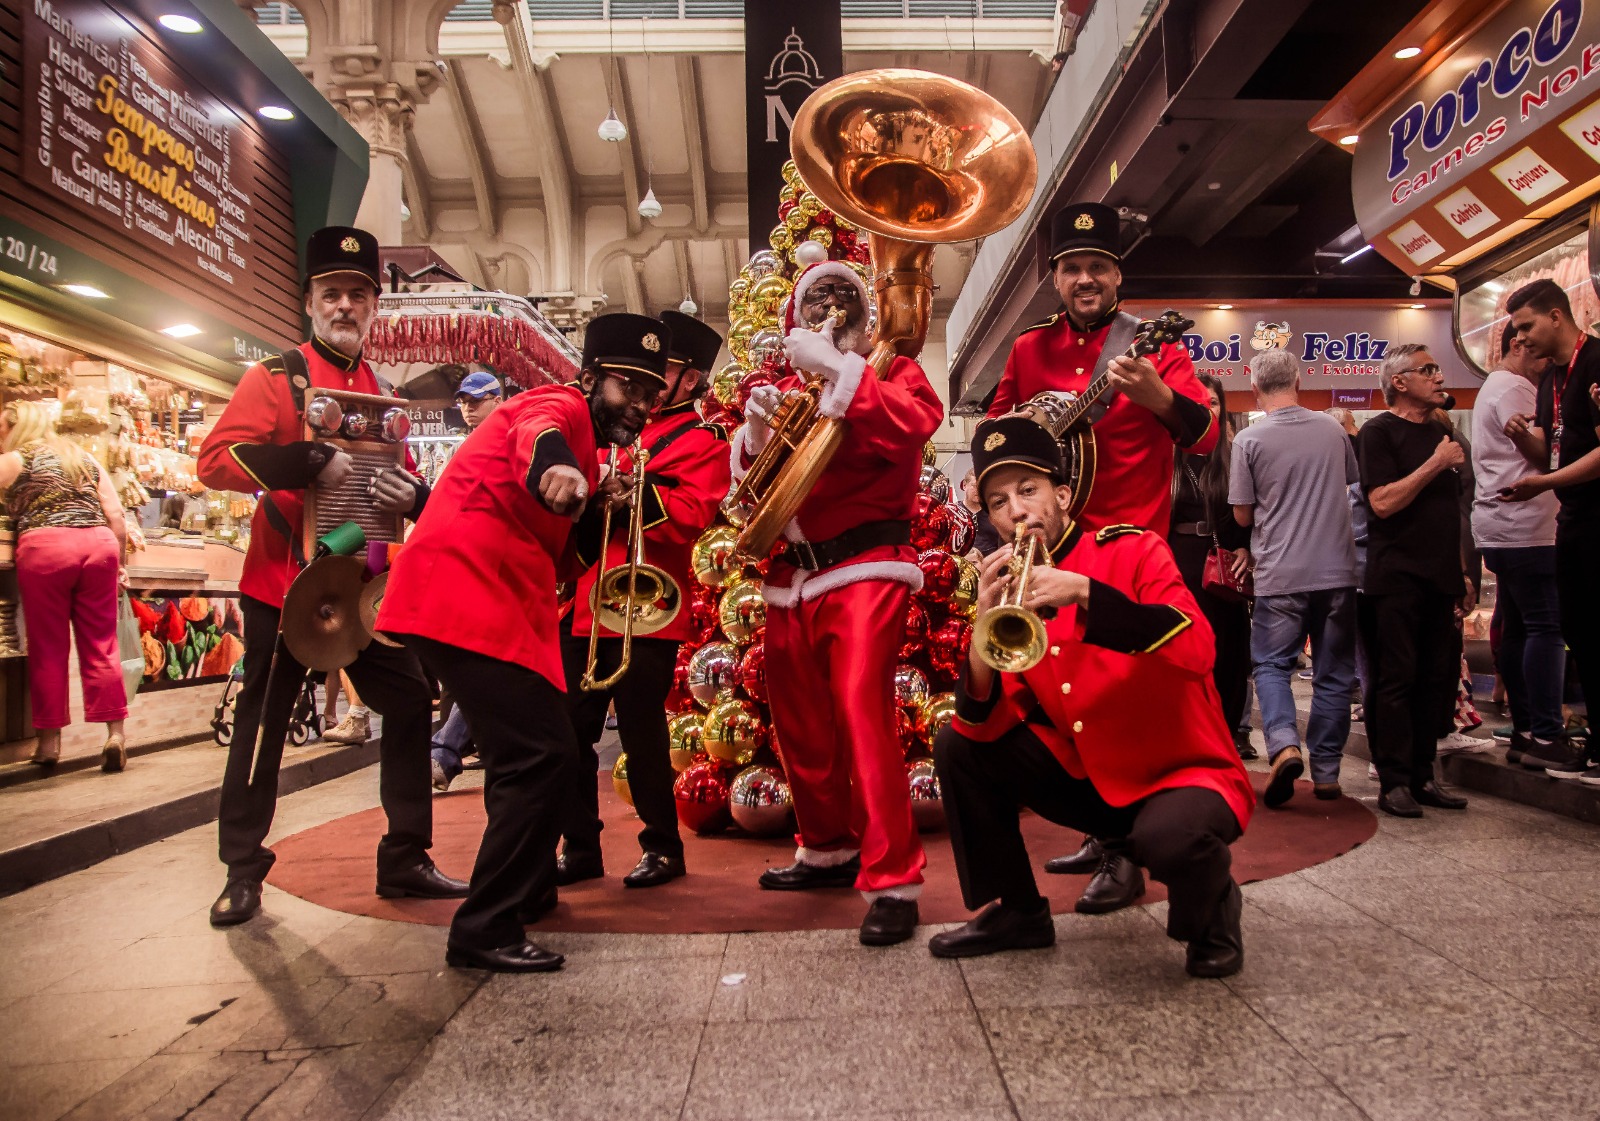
1269	336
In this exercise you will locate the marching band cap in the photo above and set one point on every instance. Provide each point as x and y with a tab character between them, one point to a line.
694	343
342	249
629	344
1015	439
1086	227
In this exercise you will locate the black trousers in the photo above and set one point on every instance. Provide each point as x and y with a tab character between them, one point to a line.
641	699
1578	586
1181	836
519	721
1230	623
1413	670
390	682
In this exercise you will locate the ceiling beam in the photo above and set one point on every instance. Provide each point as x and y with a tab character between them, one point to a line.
694	137
730	260
633	283
555	180
628	151
466	119
414	180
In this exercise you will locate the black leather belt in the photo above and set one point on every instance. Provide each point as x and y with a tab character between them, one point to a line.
814	555
1199	529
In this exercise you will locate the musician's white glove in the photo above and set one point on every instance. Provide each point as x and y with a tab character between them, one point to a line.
813	352
759	412
393	491
336	470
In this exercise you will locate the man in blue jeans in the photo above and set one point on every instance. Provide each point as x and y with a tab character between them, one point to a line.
1289	479
1518	543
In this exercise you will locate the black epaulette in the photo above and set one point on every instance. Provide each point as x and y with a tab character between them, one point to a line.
715	429
1051	322
1113	531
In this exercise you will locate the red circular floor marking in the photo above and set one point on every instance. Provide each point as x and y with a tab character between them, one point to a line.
333	865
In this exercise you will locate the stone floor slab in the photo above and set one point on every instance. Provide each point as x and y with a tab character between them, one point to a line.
45	1091
1310	1104
1482	1098
845	984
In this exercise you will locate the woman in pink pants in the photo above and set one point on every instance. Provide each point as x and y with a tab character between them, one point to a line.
70	544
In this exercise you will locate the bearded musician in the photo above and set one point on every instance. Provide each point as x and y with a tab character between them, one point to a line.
686	476
836	607
1155	403
1075	738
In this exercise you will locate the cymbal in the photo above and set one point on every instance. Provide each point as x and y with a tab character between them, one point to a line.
371	600
322	614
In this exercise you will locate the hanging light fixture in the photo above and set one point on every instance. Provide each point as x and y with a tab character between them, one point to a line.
689	307
649	206
612	128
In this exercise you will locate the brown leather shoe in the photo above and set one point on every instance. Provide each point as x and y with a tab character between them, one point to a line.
1288	766
1327	791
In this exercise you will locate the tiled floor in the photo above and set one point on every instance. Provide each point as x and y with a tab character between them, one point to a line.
1445	971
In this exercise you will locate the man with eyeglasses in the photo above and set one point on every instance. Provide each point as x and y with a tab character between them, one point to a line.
1416	585
836	606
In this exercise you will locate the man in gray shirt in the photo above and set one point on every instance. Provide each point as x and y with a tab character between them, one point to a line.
1291	471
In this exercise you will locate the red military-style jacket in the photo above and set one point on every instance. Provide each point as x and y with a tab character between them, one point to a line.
1133	477
686	479
872	477
1124	696
480	569
258	445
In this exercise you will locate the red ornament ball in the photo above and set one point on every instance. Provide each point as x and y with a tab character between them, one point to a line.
930	528
963	527
916	632
701	794
939	572
947	648
753	671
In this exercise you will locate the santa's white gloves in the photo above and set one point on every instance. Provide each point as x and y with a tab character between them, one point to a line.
759	412
813	352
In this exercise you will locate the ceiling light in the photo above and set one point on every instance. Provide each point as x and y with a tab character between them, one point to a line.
689	307
1407	52
1418	307
650	206
1349	141
1213	186
1224	307
181	330
181	24
87	291
276	113
612	128
1348	257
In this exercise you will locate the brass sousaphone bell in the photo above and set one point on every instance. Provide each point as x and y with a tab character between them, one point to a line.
915	159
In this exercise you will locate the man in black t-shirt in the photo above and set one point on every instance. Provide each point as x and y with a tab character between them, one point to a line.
1415	582
1565	433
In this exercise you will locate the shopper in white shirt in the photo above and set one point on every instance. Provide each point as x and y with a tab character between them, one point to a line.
1518	543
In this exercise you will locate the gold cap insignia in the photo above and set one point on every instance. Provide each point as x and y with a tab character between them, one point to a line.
650	343
1084	222
994	441
350	245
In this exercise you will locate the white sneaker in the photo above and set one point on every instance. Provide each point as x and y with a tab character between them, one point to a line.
354	728
1372	771
1591	777
1460	741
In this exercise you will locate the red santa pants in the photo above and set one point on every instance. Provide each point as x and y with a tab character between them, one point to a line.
830	674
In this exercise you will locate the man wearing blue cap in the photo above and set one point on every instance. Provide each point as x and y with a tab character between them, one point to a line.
477	397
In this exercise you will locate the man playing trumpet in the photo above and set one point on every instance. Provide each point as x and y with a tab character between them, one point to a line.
1075	737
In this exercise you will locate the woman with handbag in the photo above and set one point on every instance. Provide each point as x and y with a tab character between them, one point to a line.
1213	555
71	541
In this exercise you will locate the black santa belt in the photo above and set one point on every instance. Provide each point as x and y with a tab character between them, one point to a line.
815	555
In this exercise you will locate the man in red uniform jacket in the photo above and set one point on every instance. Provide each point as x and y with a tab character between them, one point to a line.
257	444
836	608
1076	738
1155	404
473	592
685	478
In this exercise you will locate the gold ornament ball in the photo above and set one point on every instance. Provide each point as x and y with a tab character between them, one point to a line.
789	193
684	747
714	560
733	732
791	175
797	220
760	801
781	239
964	600
619	779
725	384
822	236
934	715
809	205
742	612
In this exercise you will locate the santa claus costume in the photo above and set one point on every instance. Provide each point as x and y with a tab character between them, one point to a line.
836	607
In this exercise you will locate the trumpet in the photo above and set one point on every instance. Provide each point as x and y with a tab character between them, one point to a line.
1009	637
631	598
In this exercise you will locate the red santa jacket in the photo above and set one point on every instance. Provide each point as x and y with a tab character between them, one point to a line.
257	444
684	483
1133	476
872	477
1124	697
480	569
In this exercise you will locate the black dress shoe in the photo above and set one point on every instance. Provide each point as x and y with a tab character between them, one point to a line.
524	957
575	869
889	920
1399	802
421	881
995	929
530	913
804	877
238	903
1117	884
1221	952
1086	859
1439	797
654	868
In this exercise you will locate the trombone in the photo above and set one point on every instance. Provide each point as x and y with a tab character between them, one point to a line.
633	597
1009	637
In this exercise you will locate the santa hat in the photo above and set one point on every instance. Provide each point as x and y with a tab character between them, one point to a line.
813	273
